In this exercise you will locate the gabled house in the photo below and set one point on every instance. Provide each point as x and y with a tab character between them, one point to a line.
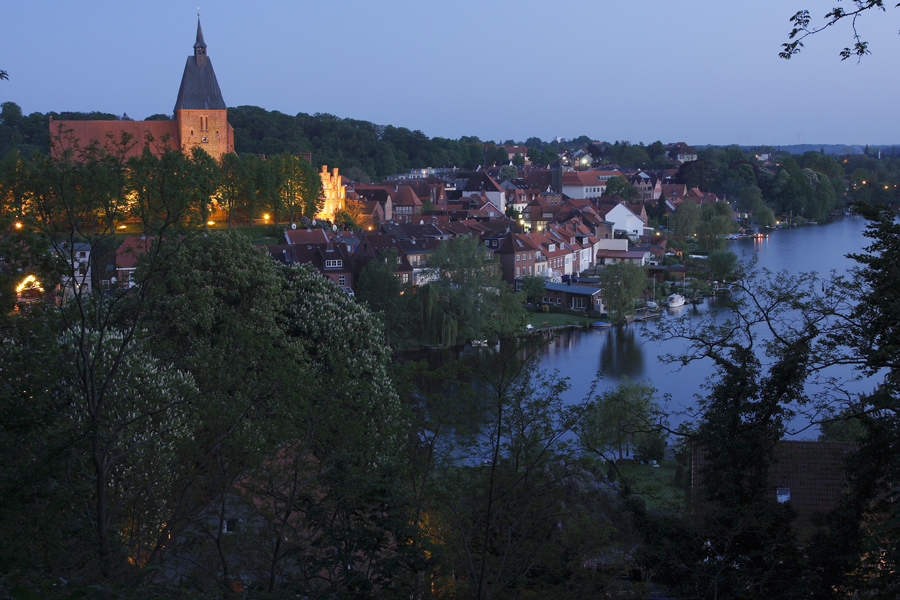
519	257
586	184
624	219
809	475
330	259
373	247
680	152
127	257
379	195
482	184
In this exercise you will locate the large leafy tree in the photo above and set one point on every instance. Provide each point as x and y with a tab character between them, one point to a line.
114	412
467	298
616	420
297	187
501	488
301	430
857	553
619	186
621	284
716	221
742	544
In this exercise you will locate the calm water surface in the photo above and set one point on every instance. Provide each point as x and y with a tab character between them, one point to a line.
625	352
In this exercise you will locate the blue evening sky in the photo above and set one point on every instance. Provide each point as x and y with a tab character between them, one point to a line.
703	72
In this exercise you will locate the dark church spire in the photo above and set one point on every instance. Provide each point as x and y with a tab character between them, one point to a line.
200	46
199	88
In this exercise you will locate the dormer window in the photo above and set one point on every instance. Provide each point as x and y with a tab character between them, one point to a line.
333	264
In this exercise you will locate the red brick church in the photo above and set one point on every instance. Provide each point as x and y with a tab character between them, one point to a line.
201	118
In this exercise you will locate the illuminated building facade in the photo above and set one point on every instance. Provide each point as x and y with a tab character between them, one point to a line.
335	193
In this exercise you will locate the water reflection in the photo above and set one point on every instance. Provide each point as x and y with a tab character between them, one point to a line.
623	353
626	352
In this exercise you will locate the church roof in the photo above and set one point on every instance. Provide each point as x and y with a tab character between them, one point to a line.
108	134
199	88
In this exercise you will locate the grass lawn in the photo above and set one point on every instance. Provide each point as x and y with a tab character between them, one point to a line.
656	485
259	234
538	319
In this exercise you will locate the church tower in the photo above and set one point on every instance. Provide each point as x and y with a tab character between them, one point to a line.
200	110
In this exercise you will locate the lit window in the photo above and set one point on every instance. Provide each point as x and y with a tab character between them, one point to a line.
783	494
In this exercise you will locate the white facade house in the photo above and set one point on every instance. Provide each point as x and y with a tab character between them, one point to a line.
625	220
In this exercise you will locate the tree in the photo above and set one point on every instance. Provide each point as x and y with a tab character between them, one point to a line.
614	421
467	299
533	288
842	426
119	412
801	28
619	186
742	545
297	187
163	190
863	530
379	288
716	221
621	283
292	445
722	265
503	492
686	217
698	173
496	155
236	190
352	216
508	172
512	213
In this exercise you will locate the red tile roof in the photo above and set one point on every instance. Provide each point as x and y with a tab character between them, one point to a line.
109	135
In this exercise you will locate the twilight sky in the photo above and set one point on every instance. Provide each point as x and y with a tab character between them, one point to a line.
689	70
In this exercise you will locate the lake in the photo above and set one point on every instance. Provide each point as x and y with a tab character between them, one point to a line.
625	352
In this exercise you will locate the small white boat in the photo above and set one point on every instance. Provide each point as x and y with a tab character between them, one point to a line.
675	300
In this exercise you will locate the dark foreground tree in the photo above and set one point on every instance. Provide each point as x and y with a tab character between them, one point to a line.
857	552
